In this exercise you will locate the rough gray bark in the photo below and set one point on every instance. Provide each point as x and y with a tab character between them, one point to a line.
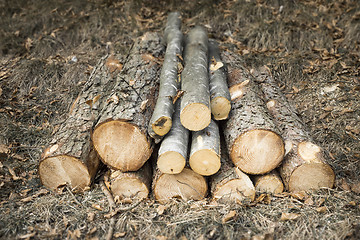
120	136
195	103
230	184
70	159
219	90
174	147
205	150
304	166
161	120
252	137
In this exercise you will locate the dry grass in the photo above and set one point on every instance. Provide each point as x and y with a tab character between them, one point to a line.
309	45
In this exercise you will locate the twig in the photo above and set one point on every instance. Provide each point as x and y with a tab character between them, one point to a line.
71	193
112	206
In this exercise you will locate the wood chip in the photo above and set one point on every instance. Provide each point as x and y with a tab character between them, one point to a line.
119	234
289	216
97	207
231	215
160	210
322	209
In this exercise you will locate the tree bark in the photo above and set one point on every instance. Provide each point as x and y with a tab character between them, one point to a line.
120	136
195	103
161	120
130	185
230	184
174	147
219	90
205	150
269	183
187	185
252	137
70	159
304	166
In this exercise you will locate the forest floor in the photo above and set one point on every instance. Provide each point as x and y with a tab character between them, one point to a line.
49	48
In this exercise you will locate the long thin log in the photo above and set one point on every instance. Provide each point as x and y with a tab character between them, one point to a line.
253	139
269	183
205	150
120	136
174	147
161	120
70	159
131	185
304	166
230	184
195	103
187	185
219	90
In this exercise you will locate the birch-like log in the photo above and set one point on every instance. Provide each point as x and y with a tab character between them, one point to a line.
304	166
269	183
205	150
219	90
161	120
253	139
70	159
130	185
187	185
120	136
230	184
195	103
174	147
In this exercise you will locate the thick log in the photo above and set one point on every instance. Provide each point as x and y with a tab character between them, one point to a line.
174	147
70	159
161	120
253	139
230	184
187	185
205	150
304	166
195	103
120	136
219	90
130	185
269	183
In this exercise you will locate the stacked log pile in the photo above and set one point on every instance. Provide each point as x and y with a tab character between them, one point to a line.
119	116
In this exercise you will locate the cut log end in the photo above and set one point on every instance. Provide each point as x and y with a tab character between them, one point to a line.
171	162
205	162
269	184
257	151
235	190
115	142
186	185
195	116
220	108
162	126
129	188
309	152
62	170
311	176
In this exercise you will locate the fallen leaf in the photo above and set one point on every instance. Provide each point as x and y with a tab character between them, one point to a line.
119	234
309	201
300	195
114	98
289	216
113	64
322	209
231	215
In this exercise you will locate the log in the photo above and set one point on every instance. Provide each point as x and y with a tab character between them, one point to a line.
205	150
161	120
174	147
120	136
70	158
195	103
130	185
269	183
230	184
253	139
219	90
187	185
304	166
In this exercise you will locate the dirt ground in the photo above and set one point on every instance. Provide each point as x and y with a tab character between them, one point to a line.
48	49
